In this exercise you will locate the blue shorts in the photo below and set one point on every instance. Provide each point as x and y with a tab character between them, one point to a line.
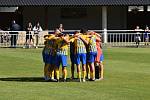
91	57
46	58
101	57
61	59
72	58
80	57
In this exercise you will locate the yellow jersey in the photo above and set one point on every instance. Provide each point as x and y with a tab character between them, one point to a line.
62	46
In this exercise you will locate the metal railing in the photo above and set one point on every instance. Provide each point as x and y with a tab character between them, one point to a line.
109	37
126	37
21	39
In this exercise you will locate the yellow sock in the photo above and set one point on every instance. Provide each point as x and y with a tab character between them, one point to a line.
57	74
65	73
84	74
79	75
92	75
52	74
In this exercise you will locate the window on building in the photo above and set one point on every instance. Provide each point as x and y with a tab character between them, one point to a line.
135	8
73	12
148	8
8	9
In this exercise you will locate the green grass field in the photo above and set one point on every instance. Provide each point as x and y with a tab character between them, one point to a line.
127	77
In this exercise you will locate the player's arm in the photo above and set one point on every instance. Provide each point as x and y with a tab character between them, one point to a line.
84	40
48	37
98	35
98	39
66	38
71	40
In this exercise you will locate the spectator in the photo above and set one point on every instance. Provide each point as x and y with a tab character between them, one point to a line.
1	36
37	28
61	29
137	36
14	27
146	36
29	38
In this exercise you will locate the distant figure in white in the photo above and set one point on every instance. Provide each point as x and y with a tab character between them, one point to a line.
37	29
138	36
61	28
146	35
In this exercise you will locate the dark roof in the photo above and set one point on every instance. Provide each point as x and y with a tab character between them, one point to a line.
72	2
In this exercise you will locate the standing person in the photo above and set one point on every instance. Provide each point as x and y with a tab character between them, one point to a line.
99	68
61	28
61	56
137	36
146	36
80	54
91	54
29	38
37	28
46	58
14	27
48	54
72	55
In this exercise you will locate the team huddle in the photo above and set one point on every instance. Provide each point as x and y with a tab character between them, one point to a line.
83	47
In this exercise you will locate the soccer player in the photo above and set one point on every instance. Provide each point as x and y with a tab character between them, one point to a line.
72	55
47	58
49	55
61	56
45	55
99	69
80	54
91	53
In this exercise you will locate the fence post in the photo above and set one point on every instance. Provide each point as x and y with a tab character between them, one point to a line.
105	36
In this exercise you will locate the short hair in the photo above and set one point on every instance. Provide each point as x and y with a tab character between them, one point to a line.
83	30
76	32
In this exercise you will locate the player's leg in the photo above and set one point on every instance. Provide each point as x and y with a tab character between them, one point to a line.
97	70
87	71
46	72
57	64
46	66
64	67
91	60
72	66
92	71
52	64
97	62
87	68
77	62
72	70
78	72
83	60
51	71
101	69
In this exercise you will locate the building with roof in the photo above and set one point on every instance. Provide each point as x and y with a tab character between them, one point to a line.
74	14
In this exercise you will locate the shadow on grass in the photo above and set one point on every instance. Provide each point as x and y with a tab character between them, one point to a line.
32	79
23	79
